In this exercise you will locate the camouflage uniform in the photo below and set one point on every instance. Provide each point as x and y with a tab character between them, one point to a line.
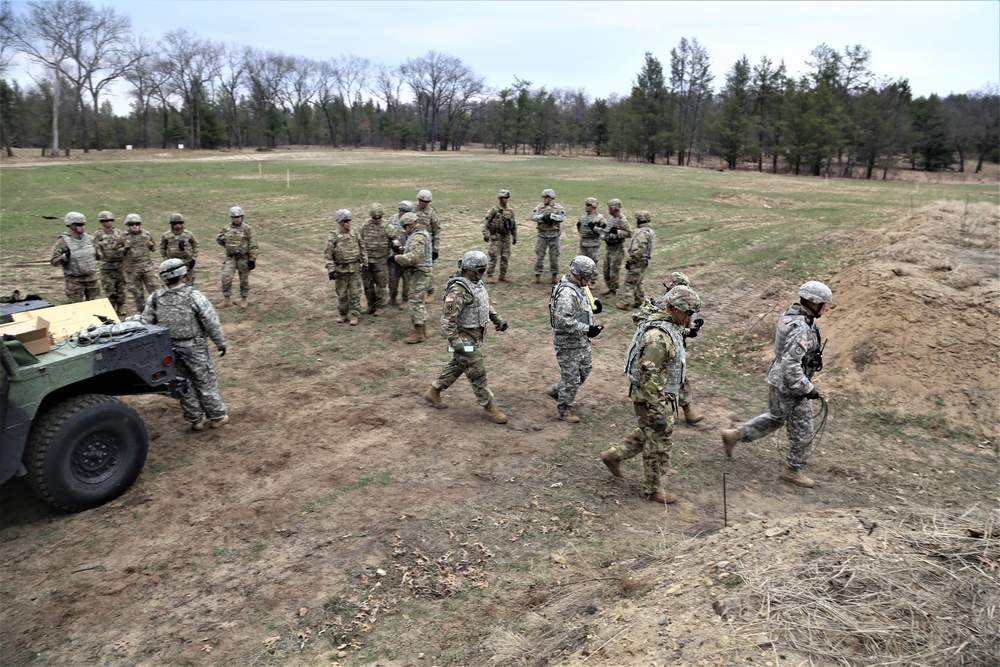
467	310
655	367
571	316
241	254
181	246
500	231
796	340
589	225
416	259
614	235
640	252
110	245
78	259
345	255
190	317
428	217
379	237
548	236
139	270
396	272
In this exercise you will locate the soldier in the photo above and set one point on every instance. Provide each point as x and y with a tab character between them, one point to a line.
241	256
572	318
428	217
640	252
140	274
75	252
590	225
614	234
691	414
467	310
110	245
190	317
655	367
180	243
500	231
396	273
416	259
381	240
345	255
548	215
798	355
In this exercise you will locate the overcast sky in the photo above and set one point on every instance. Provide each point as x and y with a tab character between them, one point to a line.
941	46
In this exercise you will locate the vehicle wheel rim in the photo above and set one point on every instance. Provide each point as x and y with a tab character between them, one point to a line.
96	457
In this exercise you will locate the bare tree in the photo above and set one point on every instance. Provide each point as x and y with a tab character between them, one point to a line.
388	87
351	74
443	88
145	80
297	91
6	55
691	87
189	64
266	71
232	80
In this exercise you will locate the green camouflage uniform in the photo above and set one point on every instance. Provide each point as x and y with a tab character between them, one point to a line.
467	309
548	235
615	249
140	273
379	236
500	231
345	255
416	261
589	225
428	217
640	251
241	249
78	259
180	246
396	272
110	256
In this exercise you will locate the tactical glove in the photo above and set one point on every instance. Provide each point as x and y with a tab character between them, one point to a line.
594	329
613	232
513	240
693	331
396	247
814	394
598	306
191	264
547	218
332	275
181	245
251	264
434	255
660	424
397	258
486	239
501	325
592	225
222	351
65	259
628	265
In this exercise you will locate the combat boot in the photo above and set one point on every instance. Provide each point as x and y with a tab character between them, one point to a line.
433	396
555	278
611	462
538	279
403	303
661	496
730	436
621	306
490	279
341	318
243	303
493	414
569	418
226	303
797	477
392	301
553	392
691	415
219	423
503	278
418	334
200	424
353	321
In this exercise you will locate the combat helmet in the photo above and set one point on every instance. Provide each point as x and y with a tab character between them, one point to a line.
592	201
642	217
176	217
677	278
548	192
173	268
74	218
682	297
583	267
405	206
236	212
815	292
409	218
105	216
425	195
133	217
503	194
615	204
341	215
376	211
474	260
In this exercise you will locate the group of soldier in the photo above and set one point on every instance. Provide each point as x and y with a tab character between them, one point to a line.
394	258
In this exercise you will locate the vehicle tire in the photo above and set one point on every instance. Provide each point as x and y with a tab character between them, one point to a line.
85	451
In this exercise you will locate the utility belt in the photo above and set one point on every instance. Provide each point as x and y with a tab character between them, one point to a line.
614	241
237	255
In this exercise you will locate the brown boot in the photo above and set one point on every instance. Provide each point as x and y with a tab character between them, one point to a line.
493	414
226	303
341	318
611	462
392	301
490	279
243	303
200	424
553	392
433	396
538	279
503	278
569	418
691	415
418	334
797	477
555	278
621	306
353	321
661	496
730	436
219	423
403	303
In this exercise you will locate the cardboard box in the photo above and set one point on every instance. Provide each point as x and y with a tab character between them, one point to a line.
33	334
65	321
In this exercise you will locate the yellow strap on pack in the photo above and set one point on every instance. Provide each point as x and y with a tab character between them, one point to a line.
590	297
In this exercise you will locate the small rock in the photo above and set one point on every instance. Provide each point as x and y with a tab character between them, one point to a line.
380	572
774	532
341	654
556	558
663	620
303	611
722	564
727	607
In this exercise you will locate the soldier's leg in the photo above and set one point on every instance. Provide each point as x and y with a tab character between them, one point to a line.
494	255
540	245
354	290
244	270
206	383
626	295
554	246
406	285
190	277
504	253
228	271
799	424
638	294
593	252
475	370
380	276
135	289
634	443
612	267
655	456
341	283
190	403
92	289
418	292
767	423
368	284
394	277
451	372
569	378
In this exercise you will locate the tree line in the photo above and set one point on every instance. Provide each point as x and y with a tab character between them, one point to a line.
838	119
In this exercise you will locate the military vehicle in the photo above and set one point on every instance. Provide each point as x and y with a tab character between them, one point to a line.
60	421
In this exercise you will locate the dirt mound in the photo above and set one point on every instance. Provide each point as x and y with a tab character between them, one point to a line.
915	326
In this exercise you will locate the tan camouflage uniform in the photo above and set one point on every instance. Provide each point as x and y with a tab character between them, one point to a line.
416	261
589	226
241	254
181	246
345	255
571	316
379	237
500	231
640	252
548	219
110	246
428	217
140	273
615	232
396	273
78	259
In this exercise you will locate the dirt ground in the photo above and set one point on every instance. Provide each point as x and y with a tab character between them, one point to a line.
339	519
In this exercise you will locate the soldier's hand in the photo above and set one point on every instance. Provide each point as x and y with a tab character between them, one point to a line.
486	239
332	275
613	232
251	264
592	225
65	257
181	245
513	240
660	424
594	330
191	264
814	394
598	306
502	325
222	351
547	218
396	258
434	255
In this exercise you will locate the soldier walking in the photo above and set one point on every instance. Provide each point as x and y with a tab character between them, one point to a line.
75	252
655	366
589	226
138	248
417	260
571	315
798	355
180	243
345	255
381	241
110	245
467	311
615	232
241	256
190	317
548	215
500	231
640	253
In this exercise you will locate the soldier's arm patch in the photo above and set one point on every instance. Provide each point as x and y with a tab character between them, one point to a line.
450	298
